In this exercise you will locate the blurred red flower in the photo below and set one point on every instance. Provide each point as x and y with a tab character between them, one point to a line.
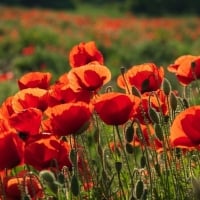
185	129
35	80
69	118
186	68
28	51
6	76
115	108
145	77
89	77
84	53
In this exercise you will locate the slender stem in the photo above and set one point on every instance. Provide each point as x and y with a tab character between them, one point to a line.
125	155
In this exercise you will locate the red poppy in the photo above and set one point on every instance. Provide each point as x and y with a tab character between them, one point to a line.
30	97
145	77
6	108
28	51
35	80
115	108
68	118
28	183
6	76
60	93
11	150
185	129
89	77
21	122
186	68
85	53
45	151
157	100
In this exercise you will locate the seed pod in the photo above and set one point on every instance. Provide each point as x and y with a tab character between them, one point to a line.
75	185
153	115
139	189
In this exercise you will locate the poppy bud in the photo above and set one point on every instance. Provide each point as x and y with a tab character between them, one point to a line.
75	185
129	133
159	132
129	148
135	91
143	161
118	166
47	176
154	115
139	189
173	101
73	156
166	87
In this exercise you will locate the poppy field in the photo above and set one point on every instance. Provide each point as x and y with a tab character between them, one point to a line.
82	122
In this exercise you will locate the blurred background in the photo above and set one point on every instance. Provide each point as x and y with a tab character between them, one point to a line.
37	35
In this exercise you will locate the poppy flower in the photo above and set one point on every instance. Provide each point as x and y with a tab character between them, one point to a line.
89	77
186	68
63	93
42	153
21	122
6	108
6	76
115	108
145	77
11	150
69	118
35	80
28	51
84	53
30	97
185	129
12	185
